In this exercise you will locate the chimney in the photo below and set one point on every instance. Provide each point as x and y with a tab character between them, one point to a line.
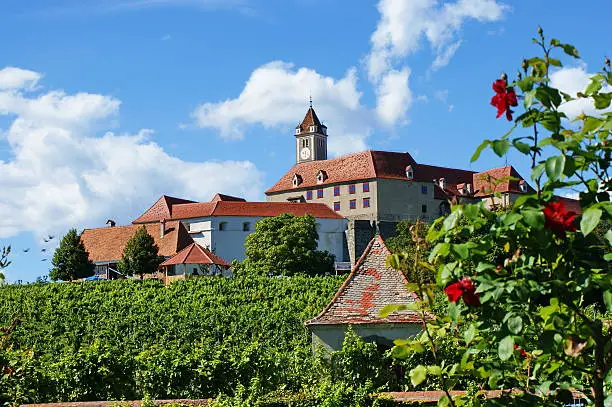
468	188
111	223
442	182
162	227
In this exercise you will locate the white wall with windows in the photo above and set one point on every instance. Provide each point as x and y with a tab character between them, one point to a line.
226	235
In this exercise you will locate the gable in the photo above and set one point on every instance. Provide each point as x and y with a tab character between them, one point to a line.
367	290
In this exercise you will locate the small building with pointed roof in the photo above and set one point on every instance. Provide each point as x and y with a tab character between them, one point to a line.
369	287
194	260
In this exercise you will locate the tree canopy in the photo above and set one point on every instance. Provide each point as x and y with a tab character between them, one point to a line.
71	260
140	255
285	245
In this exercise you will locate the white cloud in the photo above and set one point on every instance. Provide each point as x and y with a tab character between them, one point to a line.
61	174
15	78
394	96
276	95
166	37
405	23
571	81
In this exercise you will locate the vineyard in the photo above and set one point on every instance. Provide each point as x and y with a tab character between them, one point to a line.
131	339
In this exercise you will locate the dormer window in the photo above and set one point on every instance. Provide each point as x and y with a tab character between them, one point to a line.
409	172
297	180
321	177
313	128
298	130
522	186
442	183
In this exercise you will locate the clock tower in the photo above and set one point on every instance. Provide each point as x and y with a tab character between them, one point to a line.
310	138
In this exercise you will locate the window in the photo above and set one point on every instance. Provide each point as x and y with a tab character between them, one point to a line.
337	191
366	202
223	226
424	189
246	227
319	193
352	204
308	195
352	189
424	208
366	187
313	128
297	131
336	206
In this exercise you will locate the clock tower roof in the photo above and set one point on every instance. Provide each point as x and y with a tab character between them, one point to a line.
310	119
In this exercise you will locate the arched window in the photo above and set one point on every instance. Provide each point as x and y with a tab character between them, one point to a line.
222	226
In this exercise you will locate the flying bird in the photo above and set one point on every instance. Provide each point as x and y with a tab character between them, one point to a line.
43	259
51	237
45	240
26	250
43	250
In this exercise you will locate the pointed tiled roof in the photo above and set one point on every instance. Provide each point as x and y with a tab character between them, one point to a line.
195	254
162	209
496	180
223	197
310	119
106	244
367	290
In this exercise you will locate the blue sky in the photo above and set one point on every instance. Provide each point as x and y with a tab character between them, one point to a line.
107	104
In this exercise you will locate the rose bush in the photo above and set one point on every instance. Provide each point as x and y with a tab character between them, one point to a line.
534	278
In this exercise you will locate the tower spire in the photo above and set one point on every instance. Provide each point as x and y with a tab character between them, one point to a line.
311	100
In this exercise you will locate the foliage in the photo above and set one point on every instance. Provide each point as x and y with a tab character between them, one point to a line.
541	276
4	261
285	245
405	242
71	260
126	339
140	255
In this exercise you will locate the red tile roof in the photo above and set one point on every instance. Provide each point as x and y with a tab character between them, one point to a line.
310	119
365	292
223	197
570	204
366	165
485	182
162	209
195	254
232	208
106	244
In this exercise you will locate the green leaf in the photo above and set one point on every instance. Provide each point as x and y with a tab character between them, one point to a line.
607	295
570	50
388	309
469	334
554	167
608	236
589	221
593	87
528	100
537	171
515	324
500	147
434	370
511	218
481	147
533	218
554	62
548	96
451	220
522	147
602	100
418	375
506	347
462	250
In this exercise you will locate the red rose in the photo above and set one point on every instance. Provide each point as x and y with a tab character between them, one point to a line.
465	289
522	351
503	99
558	219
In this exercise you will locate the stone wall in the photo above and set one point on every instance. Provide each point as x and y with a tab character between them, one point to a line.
360	232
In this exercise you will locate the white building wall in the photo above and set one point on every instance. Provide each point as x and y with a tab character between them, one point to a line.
229	243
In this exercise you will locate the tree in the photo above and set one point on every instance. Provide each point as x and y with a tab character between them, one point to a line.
71	260
534	316
140	255
409	235
285	245
4	261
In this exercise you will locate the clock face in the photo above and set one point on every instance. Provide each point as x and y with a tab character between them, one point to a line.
305	153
